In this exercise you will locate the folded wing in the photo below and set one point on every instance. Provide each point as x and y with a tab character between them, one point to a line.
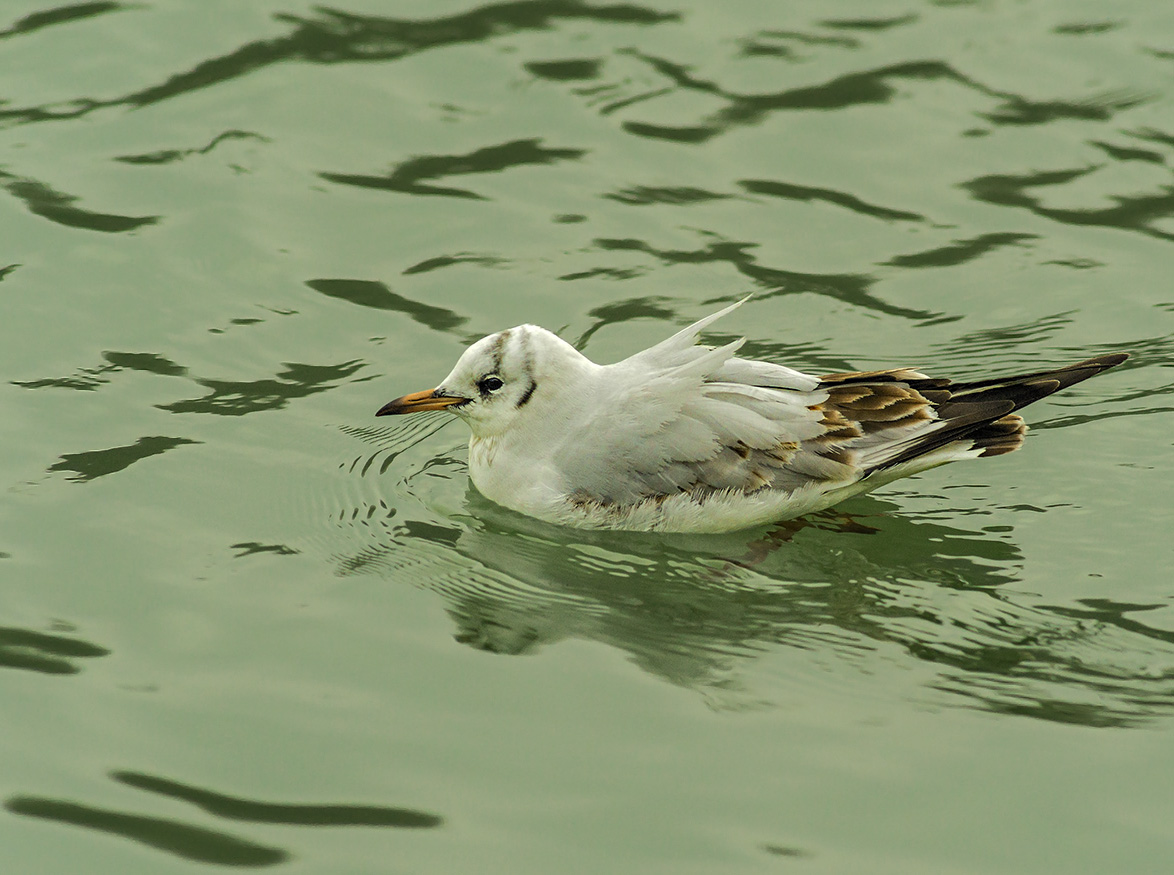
693	419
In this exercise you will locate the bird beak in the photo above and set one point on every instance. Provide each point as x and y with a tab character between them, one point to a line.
429	399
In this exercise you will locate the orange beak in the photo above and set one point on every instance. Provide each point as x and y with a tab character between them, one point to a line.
429	399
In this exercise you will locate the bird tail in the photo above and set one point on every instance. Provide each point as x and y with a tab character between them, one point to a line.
977	415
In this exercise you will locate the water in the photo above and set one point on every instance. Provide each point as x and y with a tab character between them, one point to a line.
245	624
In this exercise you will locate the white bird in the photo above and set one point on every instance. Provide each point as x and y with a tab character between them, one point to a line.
688	438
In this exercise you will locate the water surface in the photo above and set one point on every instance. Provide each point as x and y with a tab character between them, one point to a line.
245	624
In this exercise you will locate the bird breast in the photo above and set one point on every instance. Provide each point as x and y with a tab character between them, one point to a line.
482	451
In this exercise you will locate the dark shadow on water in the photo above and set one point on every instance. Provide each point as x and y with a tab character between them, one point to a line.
1017	110
87	379
1132	212
225	397
1129	153
253	548
235	808
170	156
680	196
441	261
44	653
1111	613
870	24
171	836
147	362
774	43
237	398
332	36
743	109
626	310
46	202
60	15
1086	28
876	86
203	845
409	177
851	289
961	251
376	295
99	463
806	193
565	70
879	85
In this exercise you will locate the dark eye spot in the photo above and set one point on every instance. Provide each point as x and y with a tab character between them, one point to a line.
489	384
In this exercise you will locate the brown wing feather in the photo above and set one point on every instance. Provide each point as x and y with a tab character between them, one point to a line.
885	402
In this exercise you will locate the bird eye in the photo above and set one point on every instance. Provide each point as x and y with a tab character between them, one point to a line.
490	384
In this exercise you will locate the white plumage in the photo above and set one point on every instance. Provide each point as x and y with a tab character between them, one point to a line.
682	437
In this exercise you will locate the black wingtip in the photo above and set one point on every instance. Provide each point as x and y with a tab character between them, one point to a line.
1080	371
1111	360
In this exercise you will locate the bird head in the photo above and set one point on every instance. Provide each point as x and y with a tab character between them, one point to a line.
497	380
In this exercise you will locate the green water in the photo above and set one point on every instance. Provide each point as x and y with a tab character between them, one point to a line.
243	623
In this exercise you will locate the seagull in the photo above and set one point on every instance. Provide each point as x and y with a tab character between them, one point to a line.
689	438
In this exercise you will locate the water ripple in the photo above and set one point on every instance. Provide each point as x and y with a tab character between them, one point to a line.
1016	110
839	198
48	203
171	836
241	397
844	585
170	156
98	463
1135	212
88	379
848	288
841	92
960	251
204	845
408	177
61	15
334	36
376	295
236	808
44	653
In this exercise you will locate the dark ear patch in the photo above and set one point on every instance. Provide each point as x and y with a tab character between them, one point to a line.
525	399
